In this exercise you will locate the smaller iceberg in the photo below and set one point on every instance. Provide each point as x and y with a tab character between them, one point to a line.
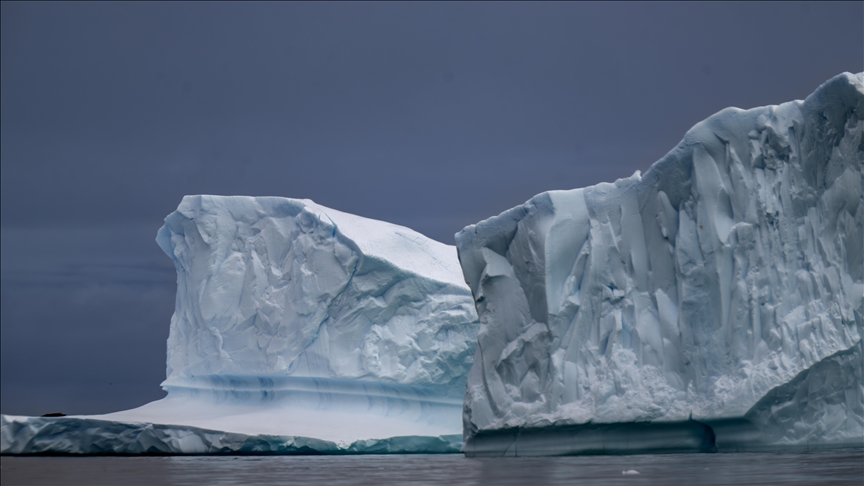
297	329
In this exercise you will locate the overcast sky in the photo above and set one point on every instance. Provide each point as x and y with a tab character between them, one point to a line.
429	115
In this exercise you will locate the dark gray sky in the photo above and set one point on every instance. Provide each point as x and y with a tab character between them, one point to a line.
430	115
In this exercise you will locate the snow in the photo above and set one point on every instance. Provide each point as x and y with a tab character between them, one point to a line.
728	271
296	320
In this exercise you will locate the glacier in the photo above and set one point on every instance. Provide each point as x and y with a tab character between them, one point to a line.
712	304
297	329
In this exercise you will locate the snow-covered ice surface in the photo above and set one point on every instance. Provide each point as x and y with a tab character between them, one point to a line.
297	328
718	297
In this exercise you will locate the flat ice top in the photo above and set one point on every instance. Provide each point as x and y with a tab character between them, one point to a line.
403	247
398	245
342	427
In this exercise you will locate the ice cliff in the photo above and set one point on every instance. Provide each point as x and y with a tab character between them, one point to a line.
274	286
297	328
718	297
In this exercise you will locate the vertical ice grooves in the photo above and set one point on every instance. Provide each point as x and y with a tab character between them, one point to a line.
733	265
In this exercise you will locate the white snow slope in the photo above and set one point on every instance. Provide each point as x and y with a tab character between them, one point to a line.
732	268
294	324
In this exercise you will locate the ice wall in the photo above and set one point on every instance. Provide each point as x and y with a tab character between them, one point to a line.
734	265
284	287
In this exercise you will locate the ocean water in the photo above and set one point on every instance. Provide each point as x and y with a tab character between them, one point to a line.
841	467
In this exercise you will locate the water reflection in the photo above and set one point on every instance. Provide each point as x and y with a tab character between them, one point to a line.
845	466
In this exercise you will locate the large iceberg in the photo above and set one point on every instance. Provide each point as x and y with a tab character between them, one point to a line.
297	329
714	303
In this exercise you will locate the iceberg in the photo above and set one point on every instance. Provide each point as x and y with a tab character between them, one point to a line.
712	304
297	329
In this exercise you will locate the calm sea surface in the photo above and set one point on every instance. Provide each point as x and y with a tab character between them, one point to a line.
817	468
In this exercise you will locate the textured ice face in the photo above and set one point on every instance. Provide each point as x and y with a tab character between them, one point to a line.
732	266
276	286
